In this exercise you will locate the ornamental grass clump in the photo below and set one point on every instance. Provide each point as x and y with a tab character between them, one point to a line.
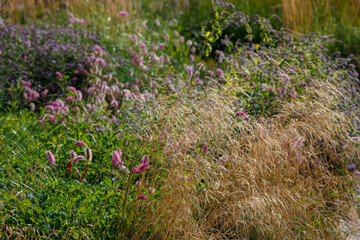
274	177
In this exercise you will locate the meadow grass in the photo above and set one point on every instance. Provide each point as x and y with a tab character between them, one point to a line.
129	131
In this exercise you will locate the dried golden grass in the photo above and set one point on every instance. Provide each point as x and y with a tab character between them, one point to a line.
15	10
277	182
302	14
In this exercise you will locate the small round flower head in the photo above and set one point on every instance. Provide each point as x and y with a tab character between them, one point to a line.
80	143
43	93
219	72
142	197
241	113
88	154
191	58
50	157
123	13
352	167
59	75
72	89
69	98
114	103
98	48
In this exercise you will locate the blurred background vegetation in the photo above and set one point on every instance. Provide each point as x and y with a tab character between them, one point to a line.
340	18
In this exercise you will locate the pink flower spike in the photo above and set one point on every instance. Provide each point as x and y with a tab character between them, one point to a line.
162	46
59	75
205	148
142	46
144	165
135	170
71	20
116	158
192	58
123	13
80	143
142	197
83	22
241	113
50	157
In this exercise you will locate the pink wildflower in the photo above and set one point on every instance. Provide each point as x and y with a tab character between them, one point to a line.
50	157
162	46
241	113
101	62
98	48
142	46
352	167
205	148
43	93
247	78
72	89
51	118
114	104
26	83
142	197
123	13
192	58
80	143
59	75
138	183
69	98
219	72
143	166
71	20
83	22
116	158
253	85
11	93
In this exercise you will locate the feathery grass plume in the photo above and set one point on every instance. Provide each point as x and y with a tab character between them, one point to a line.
276	176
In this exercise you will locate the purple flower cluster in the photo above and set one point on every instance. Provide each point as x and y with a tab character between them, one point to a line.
41	57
